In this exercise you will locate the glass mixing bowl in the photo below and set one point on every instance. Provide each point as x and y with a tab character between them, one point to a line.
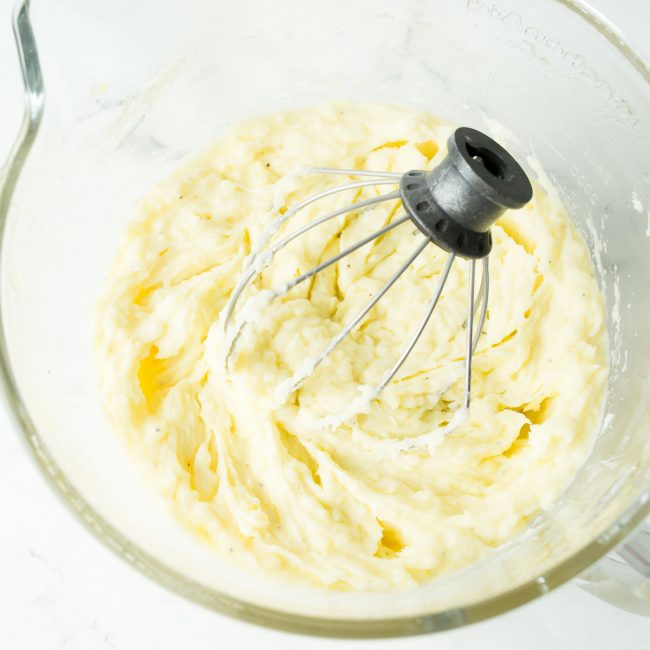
136	88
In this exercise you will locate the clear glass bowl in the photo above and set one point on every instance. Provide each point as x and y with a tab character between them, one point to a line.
136	88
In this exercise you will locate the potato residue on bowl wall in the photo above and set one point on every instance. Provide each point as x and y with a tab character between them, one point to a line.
259	481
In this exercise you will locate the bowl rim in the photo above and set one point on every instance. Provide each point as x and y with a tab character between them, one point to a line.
175	581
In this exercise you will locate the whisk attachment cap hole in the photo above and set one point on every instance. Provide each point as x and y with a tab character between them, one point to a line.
490	160
489	169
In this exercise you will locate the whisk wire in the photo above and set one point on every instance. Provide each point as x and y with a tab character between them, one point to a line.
469	332
423	323
335	258
359	205
293	210
298	378
354	172
267	255
254	270
483	295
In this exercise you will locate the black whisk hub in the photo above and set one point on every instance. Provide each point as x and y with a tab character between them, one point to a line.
456	203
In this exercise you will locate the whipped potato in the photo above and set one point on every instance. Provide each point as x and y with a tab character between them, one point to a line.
303	486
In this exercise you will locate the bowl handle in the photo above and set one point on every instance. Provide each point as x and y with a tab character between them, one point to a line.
623	576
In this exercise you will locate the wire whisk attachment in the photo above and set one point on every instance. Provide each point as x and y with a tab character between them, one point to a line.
453	206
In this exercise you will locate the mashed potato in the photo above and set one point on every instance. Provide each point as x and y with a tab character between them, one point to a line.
278	485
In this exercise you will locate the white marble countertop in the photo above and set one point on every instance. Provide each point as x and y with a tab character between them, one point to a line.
60	588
